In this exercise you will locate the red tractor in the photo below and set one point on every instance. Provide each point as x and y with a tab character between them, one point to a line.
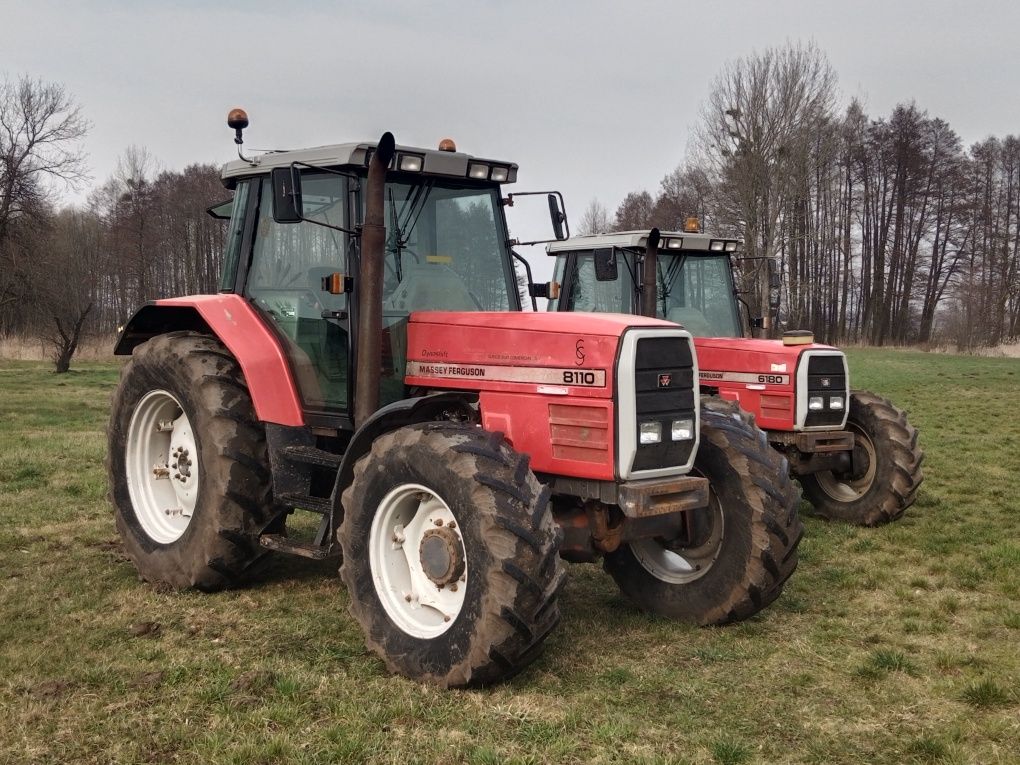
853	452
366	360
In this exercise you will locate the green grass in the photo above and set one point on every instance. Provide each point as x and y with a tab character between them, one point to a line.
890	645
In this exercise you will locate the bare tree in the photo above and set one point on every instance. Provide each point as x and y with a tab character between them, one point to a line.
64	279
634	212
40	126
595	219
759	119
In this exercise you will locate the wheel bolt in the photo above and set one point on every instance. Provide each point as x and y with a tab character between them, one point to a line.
407	597
439	521
452	525
453	587
446	618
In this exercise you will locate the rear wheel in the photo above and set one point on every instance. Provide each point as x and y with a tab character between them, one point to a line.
451	555
886	469
749	547
187	464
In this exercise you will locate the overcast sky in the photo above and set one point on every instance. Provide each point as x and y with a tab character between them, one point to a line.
592	98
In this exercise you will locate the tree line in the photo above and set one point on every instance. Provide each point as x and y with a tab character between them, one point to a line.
887	229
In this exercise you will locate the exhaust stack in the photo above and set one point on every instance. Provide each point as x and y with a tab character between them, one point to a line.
373	250
648	274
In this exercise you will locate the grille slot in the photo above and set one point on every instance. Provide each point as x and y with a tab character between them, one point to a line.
822	370
664	384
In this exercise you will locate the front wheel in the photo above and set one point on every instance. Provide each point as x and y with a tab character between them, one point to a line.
749	546
451	555
886	470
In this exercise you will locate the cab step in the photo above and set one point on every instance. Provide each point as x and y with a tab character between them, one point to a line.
309	455
280	543
304	502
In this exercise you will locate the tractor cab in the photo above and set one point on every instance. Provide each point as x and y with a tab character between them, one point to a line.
298	215
694	279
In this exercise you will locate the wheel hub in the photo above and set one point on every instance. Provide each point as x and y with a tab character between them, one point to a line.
162	468
442	555
418	560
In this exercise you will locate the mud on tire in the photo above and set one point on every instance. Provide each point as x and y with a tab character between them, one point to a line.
888	486
756	552
219	547
509	540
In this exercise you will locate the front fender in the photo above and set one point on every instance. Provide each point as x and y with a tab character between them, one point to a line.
396	415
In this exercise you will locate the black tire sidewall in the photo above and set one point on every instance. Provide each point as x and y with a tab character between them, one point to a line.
690	600
182	561
869	508
431	656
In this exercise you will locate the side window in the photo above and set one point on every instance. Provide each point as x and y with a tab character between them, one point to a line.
589	294
235	232
289	261
559	274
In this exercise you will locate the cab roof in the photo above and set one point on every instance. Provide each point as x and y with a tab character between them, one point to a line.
356	155
636	239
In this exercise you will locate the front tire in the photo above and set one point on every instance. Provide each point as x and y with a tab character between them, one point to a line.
187	464
750	549
450	555
887	471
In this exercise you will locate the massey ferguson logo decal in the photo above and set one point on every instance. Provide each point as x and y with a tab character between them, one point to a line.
579	352
826	382
665	380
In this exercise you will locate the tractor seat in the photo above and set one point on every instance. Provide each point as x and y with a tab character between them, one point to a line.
691	319
430	287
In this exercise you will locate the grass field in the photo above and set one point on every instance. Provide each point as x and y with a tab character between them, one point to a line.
890	645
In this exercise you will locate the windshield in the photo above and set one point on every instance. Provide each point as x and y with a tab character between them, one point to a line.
697	292
693	290
445	249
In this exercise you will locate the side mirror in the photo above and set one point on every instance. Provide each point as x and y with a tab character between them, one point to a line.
606	267
287	203
558	217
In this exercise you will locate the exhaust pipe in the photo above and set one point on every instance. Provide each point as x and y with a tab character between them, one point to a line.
648	274
370	283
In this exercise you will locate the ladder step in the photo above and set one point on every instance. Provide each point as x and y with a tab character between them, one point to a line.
309	455
280	543
315	504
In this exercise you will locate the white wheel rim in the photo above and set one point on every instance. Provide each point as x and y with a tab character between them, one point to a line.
851	489
414	602
682	565
161	460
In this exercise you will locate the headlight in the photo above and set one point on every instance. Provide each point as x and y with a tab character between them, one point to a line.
815	403
835	402
499	174
682	430
479	171
650	432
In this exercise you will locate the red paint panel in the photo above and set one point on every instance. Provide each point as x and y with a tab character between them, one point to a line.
483	346
256	349
561	436
772	404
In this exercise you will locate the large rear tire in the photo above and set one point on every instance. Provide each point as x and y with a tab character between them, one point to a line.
887	467
750	549
187	465
450	555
